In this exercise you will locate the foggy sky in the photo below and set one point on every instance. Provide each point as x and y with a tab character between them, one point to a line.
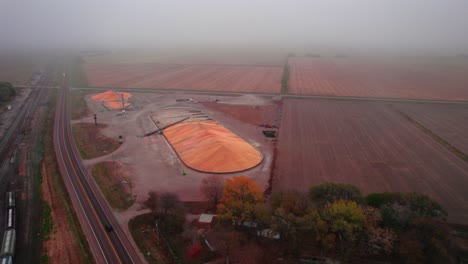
438	25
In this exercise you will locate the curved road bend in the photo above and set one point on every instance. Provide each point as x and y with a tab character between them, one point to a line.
91	208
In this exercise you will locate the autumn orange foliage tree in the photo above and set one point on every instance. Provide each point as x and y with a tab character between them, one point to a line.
241	196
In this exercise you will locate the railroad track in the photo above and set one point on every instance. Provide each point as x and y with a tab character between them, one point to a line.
108	242
9	182
9	141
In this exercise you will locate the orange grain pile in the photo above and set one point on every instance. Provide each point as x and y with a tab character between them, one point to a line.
116	105
112	99
109	96
210	147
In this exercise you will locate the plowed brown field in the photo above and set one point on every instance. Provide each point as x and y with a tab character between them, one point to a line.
238	78
349	77
370	145
255	115
448	121
18	69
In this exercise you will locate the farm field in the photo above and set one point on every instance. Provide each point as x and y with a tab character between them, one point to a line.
367	144
19	69
448	121
236	78
253	115
234	56
380	79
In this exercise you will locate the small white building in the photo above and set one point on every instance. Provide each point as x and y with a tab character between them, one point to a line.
268	233
206	218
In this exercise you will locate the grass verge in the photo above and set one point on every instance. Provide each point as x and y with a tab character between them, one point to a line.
106	176
47	223
285	79
142	229
79	109
91	142
36	159
77	75
58	74
62	197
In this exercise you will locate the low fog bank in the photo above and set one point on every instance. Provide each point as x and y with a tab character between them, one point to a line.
398	27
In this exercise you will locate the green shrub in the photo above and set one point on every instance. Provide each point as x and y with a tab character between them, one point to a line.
332	192
378	199
7	90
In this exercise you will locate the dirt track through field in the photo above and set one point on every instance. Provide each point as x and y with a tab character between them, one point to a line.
369	145
447	121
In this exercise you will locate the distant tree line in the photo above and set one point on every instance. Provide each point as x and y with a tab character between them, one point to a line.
332	219
7	90
286	72
285	78
336	220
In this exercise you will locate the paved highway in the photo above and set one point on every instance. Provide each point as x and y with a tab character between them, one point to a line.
91	208
221	93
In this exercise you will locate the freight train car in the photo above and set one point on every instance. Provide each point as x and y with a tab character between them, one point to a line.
11	202
10	219
8	245
6	260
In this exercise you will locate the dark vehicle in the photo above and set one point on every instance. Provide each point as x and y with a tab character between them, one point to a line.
108	228
269	133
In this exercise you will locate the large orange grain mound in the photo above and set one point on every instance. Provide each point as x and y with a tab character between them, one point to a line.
113	99
116	105
210	147
110	95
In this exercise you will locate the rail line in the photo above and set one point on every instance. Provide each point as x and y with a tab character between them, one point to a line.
7	145
8	151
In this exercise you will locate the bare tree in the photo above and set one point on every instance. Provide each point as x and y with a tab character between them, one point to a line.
169	202
212	188
167	210
172	213
152	202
